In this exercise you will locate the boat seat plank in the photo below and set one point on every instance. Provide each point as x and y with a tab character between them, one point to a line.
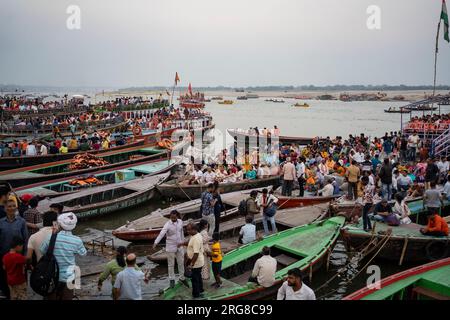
285	260
430	293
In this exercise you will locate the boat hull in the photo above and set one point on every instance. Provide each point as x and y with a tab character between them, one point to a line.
8	163
194	191
417	249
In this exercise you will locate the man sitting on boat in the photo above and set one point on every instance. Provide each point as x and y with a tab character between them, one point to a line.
327	190
437	226
383	213
264	269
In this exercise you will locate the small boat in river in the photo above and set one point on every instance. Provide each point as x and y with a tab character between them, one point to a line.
301	105
61	169
430	281
107	198
394	110
226	102
173	189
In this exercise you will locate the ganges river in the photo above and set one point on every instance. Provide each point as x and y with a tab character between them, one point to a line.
323	118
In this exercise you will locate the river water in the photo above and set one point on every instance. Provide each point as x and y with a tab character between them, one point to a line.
323	118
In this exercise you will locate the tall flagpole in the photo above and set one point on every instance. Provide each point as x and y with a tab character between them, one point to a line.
173	92
435	56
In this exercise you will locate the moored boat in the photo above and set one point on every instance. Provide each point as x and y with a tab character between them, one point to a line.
244	134
405	242
7	163
57	170
109	198
425	282
305	247
173	189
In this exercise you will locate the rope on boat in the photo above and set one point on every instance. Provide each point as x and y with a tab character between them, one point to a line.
360	256
178	185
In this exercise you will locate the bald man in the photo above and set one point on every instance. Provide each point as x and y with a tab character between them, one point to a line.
128	285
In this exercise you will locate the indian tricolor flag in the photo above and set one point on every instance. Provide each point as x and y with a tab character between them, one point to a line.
444	16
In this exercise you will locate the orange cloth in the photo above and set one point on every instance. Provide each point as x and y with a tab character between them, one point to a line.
437	223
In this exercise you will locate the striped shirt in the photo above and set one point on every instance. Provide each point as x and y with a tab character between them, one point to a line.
66	247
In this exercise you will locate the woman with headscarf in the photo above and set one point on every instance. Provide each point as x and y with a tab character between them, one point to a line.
113	267
203	227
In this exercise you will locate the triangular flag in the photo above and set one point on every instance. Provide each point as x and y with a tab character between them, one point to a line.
444	16
177	78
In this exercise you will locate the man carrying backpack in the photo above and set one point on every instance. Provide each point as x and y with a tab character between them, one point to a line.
207	208
66	247
267	201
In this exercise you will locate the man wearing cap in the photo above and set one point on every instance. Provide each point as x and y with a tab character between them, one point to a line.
173	231
66	247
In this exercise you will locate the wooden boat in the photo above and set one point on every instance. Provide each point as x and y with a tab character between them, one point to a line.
226	102
108	198
405	241
423	107
301	105
353	210
305	247
172	189
275	100
7	163
56	170
295	202
58	187
393	110
47	133
425	282
192	104
217	98
242	98
148	227
239	135
286	219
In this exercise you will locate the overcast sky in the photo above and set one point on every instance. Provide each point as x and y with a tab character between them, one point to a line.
220	42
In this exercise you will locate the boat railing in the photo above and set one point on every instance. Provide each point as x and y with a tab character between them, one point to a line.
441	145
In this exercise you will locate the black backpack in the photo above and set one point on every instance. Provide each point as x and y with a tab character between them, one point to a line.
45	276
242	208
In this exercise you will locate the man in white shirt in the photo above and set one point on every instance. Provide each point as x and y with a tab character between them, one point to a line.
195	259
294	288
289	175
404	181
173	231
42	148
209	176
247	233
323	168
31	149
128	285
264	270
301	169
35	241
198	176
328	190
413	142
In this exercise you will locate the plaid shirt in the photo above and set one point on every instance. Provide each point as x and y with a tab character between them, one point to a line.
32	216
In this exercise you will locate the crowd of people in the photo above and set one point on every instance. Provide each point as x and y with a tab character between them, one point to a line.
373	171
98	140
433	123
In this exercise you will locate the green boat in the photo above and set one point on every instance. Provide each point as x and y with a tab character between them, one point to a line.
305	247
427	282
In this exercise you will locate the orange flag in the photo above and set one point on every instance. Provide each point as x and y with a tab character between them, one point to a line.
177	78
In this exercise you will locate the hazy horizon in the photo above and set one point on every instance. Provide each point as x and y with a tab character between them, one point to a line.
209	43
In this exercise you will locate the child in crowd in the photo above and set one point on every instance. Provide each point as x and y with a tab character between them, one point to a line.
14	264
216	258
